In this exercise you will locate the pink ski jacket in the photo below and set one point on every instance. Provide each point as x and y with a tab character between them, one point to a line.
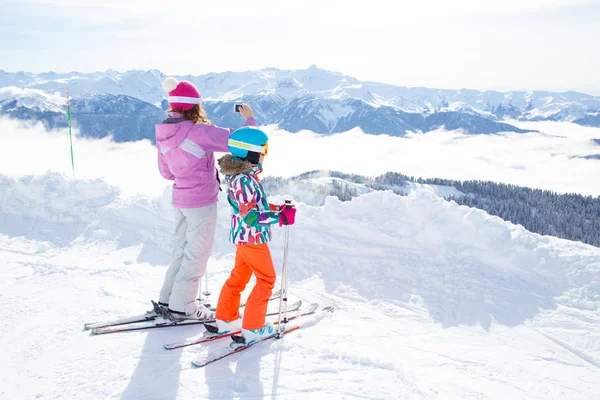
185	155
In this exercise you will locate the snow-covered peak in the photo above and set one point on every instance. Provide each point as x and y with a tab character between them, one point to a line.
290	88
462	107
33	98
318	83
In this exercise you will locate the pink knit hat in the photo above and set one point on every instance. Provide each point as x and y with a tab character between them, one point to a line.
183	95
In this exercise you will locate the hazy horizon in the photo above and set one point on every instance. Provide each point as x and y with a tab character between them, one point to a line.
505	46
591	91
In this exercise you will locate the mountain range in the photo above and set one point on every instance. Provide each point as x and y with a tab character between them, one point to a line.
126	105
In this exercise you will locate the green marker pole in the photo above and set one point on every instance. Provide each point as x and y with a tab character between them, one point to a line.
70	135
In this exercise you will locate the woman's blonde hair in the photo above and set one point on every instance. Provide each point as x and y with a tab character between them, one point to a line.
196	114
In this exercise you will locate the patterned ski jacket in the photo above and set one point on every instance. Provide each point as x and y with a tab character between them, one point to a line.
252	215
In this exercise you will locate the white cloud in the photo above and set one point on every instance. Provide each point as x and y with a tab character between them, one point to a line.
539	160
269	8
13	91
29	149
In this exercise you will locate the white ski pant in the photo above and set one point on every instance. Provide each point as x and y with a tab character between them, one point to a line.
194	239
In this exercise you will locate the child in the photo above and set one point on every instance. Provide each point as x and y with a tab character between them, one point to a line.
186	141
251	220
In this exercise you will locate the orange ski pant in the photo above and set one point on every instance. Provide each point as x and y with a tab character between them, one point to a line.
249	258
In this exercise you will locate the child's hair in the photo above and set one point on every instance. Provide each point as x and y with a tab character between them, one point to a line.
196	114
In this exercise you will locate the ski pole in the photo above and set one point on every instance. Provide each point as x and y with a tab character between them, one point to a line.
206	292
283	295
70	135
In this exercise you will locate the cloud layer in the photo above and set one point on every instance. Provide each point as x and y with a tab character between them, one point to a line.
546	160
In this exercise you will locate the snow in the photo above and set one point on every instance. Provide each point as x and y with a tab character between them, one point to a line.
290	88
304	189
561	110
305	192
467	109
433	300
332	113
440	190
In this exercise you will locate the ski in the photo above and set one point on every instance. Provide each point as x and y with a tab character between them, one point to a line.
165	323
148	316
204	361
205	339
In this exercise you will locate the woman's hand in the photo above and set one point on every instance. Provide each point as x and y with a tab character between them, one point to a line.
246	111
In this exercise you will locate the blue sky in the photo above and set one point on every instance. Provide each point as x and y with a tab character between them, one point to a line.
510	44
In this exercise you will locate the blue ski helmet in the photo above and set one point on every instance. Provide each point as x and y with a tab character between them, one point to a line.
247	139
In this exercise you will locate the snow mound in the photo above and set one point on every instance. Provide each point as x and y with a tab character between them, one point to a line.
465	266
52	208
461	263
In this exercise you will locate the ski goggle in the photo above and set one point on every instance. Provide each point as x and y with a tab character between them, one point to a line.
264	149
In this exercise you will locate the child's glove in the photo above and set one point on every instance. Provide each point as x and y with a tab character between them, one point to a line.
287	215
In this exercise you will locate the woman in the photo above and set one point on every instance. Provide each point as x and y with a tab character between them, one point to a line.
186	141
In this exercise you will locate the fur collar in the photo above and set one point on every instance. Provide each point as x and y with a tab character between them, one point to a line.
231	165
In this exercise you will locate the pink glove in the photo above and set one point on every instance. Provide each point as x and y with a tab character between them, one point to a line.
287	215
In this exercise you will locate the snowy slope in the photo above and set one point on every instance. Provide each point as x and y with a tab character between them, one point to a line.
315	187
433	301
